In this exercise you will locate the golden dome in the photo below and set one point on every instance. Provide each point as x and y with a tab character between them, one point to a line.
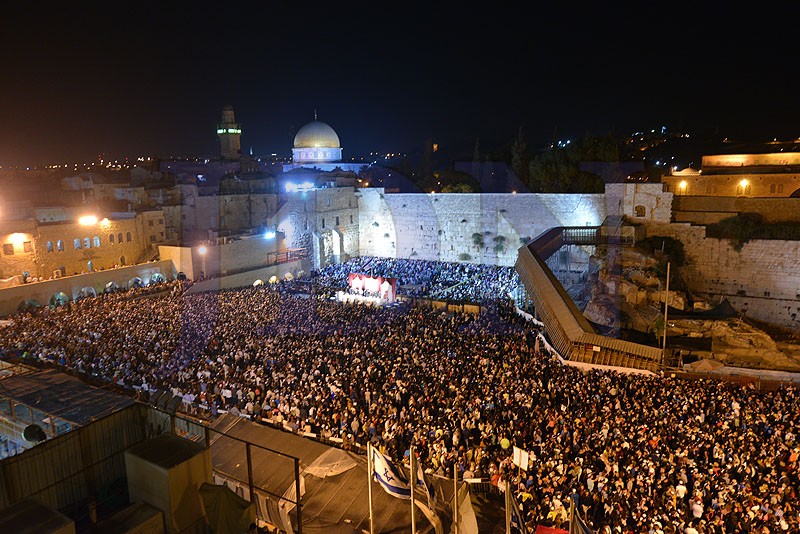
316	134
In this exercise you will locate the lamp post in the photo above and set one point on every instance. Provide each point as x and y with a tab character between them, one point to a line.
202	251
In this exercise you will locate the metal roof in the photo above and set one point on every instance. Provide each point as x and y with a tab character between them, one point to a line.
63	396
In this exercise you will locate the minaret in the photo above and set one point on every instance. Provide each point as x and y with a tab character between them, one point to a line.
229	133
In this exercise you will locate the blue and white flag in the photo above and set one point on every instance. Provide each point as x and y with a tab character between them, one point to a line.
388	476
423	485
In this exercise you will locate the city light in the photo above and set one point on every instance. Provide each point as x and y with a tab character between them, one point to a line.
305	186
87	220
17	238
202	250
269	234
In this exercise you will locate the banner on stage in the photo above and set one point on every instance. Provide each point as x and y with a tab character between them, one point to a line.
385	288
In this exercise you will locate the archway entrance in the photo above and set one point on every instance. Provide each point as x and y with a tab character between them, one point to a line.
28	305
135	282
87	292
111	287
59	299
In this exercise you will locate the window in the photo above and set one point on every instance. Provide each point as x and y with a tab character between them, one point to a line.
128	237
323	223
747	190
8	249
337	221
150	222
96	241
780	188
87	243
111	238
77	243
640	211
152	239
27	246
351	219
771	188
119	237
161	221
60	246
49	246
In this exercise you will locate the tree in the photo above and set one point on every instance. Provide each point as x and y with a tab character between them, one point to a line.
519	157
476	160
558	170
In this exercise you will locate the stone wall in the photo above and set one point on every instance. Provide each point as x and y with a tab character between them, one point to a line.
477	228
42	292
640	202
324	221
68	247
703	210
232	257
762	281
18	248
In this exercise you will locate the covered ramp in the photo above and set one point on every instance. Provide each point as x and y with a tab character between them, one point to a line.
333	483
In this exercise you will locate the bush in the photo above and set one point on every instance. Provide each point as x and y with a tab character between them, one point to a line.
672	247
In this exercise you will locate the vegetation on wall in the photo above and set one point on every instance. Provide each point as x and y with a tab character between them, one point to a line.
743	227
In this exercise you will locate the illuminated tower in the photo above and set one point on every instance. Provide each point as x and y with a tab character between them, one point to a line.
229	133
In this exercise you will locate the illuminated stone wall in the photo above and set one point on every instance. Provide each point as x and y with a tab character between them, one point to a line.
477	228
324	221
18	248
775	185
762	281
134	246
196	215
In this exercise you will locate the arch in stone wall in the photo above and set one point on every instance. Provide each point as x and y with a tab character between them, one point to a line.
59	299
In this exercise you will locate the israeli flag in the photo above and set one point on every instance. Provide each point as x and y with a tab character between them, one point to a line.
393	481
429	491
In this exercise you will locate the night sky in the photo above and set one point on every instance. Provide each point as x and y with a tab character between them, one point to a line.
152	80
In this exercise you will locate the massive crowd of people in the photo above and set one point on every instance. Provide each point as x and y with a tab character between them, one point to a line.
637	453
452	281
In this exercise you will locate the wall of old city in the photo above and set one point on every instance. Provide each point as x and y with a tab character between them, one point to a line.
762	280
477	228
193	217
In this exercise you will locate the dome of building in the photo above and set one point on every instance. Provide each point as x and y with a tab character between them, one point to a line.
316	134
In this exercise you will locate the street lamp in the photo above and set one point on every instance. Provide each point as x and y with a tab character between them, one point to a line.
202	251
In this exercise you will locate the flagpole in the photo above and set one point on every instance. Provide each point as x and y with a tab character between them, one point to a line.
413	484
455	497
508	506
571	515
369	486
